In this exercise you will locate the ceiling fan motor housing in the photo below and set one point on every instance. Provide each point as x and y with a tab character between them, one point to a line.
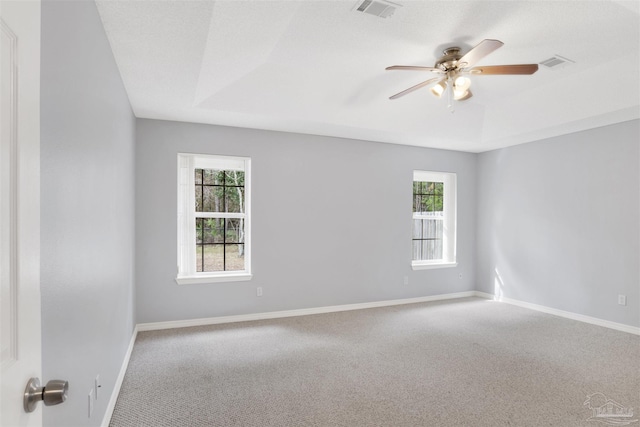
450	59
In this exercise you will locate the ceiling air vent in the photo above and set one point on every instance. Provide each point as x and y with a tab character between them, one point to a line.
557	62
380	8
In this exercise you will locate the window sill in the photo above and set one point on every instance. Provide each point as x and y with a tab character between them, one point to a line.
428	266
194	280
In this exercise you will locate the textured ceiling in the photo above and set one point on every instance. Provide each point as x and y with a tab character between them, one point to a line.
318	67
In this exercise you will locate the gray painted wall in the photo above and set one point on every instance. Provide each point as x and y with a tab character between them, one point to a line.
559	222
87	162
331	221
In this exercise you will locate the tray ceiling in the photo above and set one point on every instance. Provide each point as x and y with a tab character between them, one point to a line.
318	67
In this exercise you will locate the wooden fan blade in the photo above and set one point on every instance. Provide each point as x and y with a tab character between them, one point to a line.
414	68
482	49
505	69
416	87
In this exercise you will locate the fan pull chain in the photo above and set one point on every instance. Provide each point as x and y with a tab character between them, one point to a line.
450	95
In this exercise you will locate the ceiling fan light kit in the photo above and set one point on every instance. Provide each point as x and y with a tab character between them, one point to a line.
454	67
461	84
438	89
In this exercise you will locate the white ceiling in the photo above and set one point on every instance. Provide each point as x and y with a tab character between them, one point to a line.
318	67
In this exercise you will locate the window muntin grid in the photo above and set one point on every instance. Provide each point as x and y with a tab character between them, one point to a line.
428	220
219	220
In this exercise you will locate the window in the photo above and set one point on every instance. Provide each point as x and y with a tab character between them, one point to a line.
434	220
214	238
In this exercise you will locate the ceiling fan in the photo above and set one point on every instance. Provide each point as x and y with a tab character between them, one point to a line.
452	69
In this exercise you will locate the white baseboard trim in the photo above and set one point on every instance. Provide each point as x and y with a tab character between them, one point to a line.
116	388
566	314
299	312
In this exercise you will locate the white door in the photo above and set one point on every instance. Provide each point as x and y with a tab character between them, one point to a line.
20	207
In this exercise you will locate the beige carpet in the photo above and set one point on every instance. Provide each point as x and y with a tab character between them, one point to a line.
467	362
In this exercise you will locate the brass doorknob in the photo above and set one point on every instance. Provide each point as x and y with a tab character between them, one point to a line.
54	393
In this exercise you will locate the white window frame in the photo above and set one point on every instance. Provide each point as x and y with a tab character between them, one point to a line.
187	164
449	208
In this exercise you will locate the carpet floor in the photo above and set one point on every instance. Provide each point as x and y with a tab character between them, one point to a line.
465	362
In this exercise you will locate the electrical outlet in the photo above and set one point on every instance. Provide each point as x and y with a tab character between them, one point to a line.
90	402
622	299
96	386
259	291
406	280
